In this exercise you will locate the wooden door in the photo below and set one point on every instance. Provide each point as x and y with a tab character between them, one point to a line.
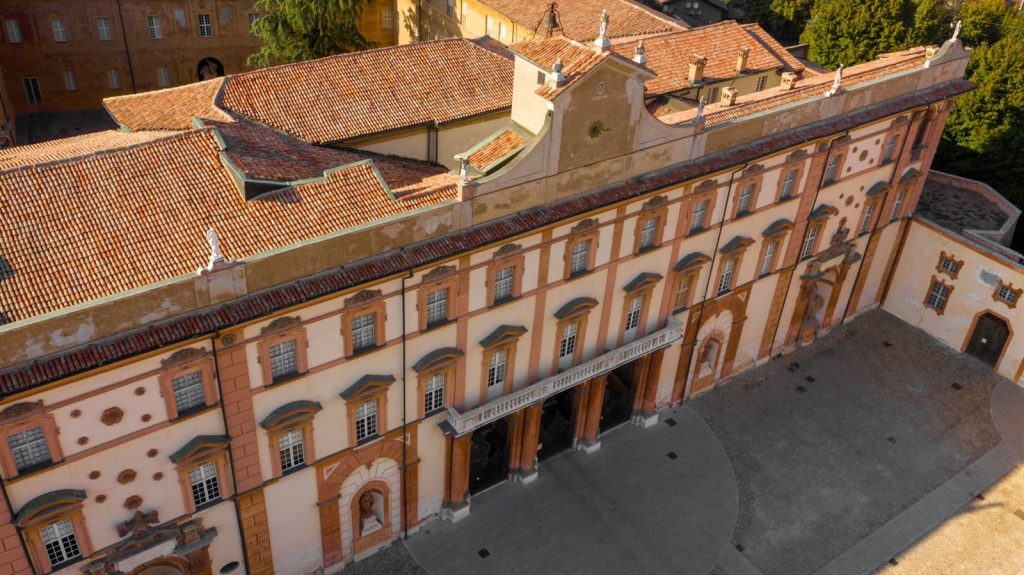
988	339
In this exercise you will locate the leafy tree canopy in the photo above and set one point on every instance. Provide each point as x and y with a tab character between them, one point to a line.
295	30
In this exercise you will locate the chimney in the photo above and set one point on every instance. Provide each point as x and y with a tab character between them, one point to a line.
557	78
741	60
788	79
697	63
729	96
640	57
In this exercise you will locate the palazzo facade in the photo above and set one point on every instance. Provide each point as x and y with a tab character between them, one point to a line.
370	340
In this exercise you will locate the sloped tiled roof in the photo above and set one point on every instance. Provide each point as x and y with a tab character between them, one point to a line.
352	95
668	55
811	87
496	149
577	59
581	19
56	150
77	230
170	109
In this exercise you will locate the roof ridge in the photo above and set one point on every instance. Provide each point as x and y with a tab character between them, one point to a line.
171	134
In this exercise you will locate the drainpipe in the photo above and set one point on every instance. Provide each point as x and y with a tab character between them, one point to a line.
127	52
874	234
224	419
799	259
405	444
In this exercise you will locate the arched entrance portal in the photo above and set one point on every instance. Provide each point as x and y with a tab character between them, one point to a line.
164	566
209	68
556	425
488	456
618	397
988	338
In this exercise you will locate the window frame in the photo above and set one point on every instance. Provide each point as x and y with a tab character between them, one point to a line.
179	364
587	230
202	454
33	93
113	79
809	245
752	179
890	148
689	276
154	27
104	32
509	255
897	203
775	244
643	287
937	281
577	311
68	508
12	29
503	339
943	255
60	30
706	191
363	303
296	416
70	81
205	30
22	417
869	215
277	332
440	278
444	361
387	18
997	294
655	209
163	76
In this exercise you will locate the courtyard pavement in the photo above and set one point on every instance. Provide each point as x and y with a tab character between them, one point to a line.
836	458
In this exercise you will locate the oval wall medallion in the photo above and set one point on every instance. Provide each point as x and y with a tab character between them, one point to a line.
112	416
126	476
133	502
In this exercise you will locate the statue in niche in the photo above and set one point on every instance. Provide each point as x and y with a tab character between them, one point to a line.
840	235
709	354
369	522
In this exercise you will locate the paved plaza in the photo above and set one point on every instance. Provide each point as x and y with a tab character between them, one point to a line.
861	452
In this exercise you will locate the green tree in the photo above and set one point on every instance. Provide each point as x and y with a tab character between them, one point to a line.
844	32
295	30
985	132
929	23
983	21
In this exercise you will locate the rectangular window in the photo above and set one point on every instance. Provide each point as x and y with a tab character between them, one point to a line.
808	248
32	93
292	449
761	83
922	129
636	305
890	147
683	290
29	449
205	26
13	31
205	486
113	79
1007	294
647	233
896	205
366	420
725	280
188	391
951	266
541	78
567	347
103	28
154	27
866	224
746	199
450	9
464	13
832	169
496	368
437	306
60	543
700	214
433	393
284	362
502	30
70	81
163	76
768	264
253	17
489	25
503	281
937	296
712	96
60	31
580	257
364	332
387	18
788	184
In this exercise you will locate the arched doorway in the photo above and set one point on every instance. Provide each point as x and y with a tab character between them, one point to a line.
164	566
618	397
488	456
209	68
556	425
988	338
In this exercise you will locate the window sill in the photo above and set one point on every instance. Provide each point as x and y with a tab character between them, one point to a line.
208	504
645	249
37	468
434	412
368	439
579	274
285	378
695	231
436	325
66	564
363	351
503	301
194	412
294	469
783	199
680	310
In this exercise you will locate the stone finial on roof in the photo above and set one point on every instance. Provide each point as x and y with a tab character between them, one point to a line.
836	82
956	30
601	42
463	170
556	73
640	57
216	256
699	118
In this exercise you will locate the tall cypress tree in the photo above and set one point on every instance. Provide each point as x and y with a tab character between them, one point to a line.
295	30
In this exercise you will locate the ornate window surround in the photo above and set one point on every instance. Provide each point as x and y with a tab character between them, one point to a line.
943	255
794	162
445	277
201	450
507	255
21	417
689	266
45	510
183	362
657	208
505	337
1009	287
640	286
575	311
751	176
937	280
367	388
586	230
277	332
440	361
289	417
362	303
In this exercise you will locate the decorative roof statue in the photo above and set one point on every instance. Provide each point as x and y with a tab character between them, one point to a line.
836	82
556	72
463	170
699	118
216	256
601	42
956	30
640	57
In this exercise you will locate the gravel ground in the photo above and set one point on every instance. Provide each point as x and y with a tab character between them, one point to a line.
392	560
830	442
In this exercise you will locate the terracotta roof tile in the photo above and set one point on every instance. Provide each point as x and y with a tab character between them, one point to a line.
496	149
577	59
77	230
67	148
580	19
350	95
170	109
668	55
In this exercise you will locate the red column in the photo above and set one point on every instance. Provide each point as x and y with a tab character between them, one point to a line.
457	505
580	399
528	452
591	439
648	406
